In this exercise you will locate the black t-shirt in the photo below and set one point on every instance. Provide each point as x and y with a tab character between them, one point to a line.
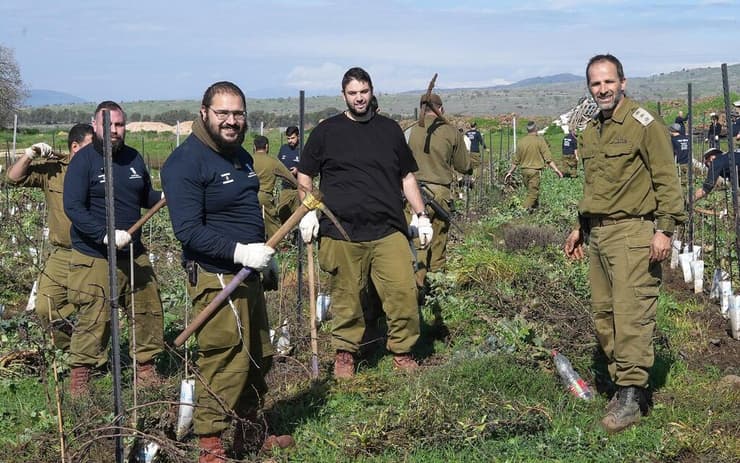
680	148
361	166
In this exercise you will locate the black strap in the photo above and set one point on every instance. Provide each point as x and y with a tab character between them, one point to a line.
430	130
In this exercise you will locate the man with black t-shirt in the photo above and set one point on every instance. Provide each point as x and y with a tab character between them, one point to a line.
365	165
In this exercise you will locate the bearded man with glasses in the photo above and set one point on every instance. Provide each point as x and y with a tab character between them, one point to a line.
211	189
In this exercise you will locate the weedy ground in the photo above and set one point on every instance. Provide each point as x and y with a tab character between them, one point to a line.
486	390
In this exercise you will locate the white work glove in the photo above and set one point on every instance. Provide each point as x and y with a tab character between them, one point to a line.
122	239
253	255
424	228
309	226
421	227
39	149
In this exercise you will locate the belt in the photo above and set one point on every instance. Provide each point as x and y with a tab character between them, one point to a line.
595	222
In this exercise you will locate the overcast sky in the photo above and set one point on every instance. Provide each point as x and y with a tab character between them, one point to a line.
153	50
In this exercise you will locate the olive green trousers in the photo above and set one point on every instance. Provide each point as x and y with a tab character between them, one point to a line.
234	352
52	302
624	298
531	178
388	262
89	292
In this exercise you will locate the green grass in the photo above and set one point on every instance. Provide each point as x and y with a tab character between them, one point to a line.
491	396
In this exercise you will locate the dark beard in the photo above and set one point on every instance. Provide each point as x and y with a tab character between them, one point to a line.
115	146
355	113
225	146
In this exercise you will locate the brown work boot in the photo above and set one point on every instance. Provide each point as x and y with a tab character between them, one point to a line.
625	412
272	442
211	449
405	362
147	376
613	402
79	383
344	365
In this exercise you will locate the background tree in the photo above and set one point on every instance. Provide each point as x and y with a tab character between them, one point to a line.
11	86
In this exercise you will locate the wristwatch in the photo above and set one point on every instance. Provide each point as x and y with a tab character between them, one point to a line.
667	233
421	214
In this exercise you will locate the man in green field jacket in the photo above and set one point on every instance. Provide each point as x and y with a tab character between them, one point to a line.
631	205
52	304
532	155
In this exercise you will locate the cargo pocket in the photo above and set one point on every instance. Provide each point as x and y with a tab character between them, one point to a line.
85	288
220	331
145	294
327	256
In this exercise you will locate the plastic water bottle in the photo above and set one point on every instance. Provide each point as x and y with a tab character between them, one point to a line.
578	387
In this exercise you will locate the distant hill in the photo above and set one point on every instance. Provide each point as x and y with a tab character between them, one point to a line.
554	79
538	96
41	97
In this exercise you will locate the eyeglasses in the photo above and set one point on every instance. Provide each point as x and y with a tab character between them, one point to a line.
223	114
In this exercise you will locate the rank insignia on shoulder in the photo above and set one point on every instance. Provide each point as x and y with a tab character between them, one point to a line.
643	116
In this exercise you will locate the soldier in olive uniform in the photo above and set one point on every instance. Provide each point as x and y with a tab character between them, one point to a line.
631	205
439	148
532	155
266	168
52	304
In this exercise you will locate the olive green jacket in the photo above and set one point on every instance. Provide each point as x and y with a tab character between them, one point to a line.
48	175
265	168
629	168
532	152
447	152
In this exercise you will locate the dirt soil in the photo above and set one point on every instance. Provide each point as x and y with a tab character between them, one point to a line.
717	349
185	127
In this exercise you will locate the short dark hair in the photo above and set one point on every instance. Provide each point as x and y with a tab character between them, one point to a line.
260	142
358	74
222	87
605	57
77	133
110	106
292	130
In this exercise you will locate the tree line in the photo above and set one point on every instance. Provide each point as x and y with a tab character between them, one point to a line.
66	116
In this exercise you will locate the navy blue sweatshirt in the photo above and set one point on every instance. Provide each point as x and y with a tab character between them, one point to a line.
720	167
680	148
290	157
212	200
476	140
84	198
